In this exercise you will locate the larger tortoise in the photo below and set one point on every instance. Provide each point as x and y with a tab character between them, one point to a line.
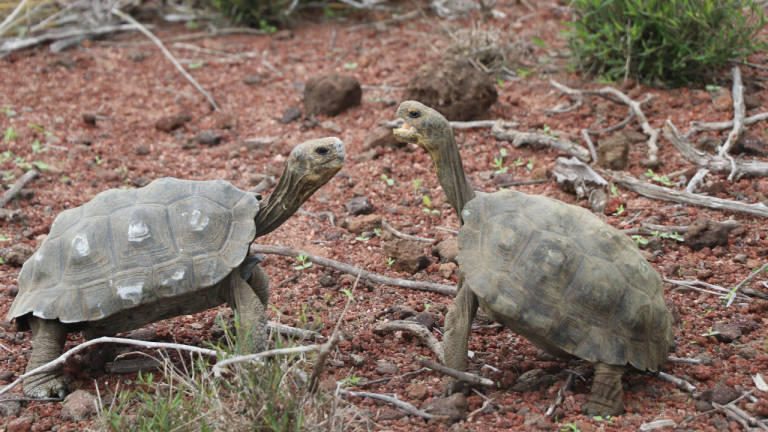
552	272
130	257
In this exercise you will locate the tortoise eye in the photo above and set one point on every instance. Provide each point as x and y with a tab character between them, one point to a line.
321	150
414	114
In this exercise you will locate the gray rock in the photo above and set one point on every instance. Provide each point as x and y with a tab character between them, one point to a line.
252	79
290	114
78	406
359	206
209	137
357	359
173	122
16	254
331	94
447	249
408	254
427	319
380	137
326	280
331	126
726	332
386	367
613	151
740	258
720	394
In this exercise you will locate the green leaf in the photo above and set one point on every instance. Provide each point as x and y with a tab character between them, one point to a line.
351	65
10	134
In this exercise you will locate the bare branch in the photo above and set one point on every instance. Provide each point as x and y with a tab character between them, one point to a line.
518	139
449	290
732	294
680	383
405	406
168	54
459	375
560	396
667	194
219	366
17	186
716	126
405	236
419	330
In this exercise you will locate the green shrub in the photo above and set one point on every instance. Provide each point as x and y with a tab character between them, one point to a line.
674	41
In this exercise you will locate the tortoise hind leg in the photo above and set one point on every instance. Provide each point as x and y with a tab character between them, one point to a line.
458	323
249	299
48	338
607	396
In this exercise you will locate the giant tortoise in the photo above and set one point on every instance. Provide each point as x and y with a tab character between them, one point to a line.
550	271
130	257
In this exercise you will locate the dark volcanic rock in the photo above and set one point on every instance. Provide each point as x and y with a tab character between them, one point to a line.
331	94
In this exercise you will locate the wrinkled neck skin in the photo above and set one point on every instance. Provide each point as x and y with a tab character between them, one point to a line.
450	170
291	191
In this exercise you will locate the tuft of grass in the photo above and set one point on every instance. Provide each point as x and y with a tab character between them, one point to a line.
672	41
272	395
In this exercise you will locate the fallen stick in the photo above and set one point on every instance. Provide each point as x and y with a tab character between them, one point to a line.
405	236
732	294
405	406
711	162
448	290
649	228
739	111
167	54
560	396
9	19
13	44
634	106
16	188
466	377
667	194
219	366
697	126
680	383
293	331
419	330
518	139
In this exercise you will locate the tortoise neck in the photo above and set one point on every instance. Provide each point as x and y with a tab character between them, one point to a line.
450	173
290	193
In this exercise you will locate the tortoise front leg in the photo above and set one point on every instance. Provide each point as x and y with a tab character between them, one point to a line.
458	323
249	300
607	398
48	338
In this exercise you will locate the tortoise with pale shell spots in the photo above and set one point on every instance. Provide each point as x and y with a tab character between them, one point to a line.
131	257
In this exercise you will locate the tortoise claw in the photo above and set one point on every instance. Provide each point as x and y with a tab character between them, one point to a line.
45	386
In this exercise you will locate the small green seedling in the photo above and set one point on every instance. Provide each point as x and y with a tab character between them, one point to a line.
97	160
197	65
640	240
663	179
416	183
8	176
538	42
529	165
518	162
427	306
570	427
192	25
377	232
614	190
303	262
712	88
21	163
428	204
546	130
498	162
2	261
42	166
363	237
710	333
499	82
619	210
390	261
9	112
387	180
4	238
266	27
350	381
350	65
674	236
348	293
10	134
40	129
38	148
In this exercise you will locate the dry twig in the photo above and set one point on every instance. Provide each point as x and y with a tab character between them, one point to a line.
518	139
449	290
680	383
697	126
560	396
419	330
167	54
405	406
667	194
732	294
405	236
17	186
459	375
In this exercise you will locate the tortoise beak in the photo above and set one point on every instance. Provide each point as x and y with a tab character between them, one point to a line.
406	133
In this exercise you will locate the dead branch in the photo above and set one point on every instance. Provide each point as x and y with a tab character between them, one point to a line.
293	331
518	139
710	162
167	54
405	406
13	44
719	291
739	111
419	330
577	175
459	375
680	383
634	106
590	145
474	124
732	294
617	126
667	194
16	188
697	126
219	366
685	360
405	236
332	343
732	411
9	19
448	290
327	214
560	396
651	229
446	229
106	339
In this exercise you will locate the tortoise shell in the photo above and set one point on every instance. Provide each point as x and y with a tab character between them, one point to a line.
558	275
127	248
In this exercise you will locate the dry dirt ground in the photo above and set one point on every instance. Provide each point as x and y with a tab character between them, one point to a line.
130	85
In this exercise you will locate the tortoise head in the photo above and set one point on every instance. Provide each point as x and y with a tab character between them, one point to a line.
309	166
423	126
